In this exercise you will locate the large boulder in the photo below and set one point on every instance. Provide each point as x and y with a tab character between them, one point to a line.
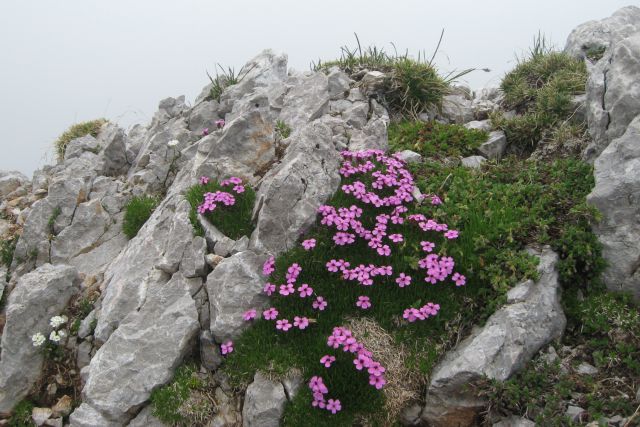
38	296
235	286
532	318
148	260
140	355
306	101
613	94
290	193
617	196
263	403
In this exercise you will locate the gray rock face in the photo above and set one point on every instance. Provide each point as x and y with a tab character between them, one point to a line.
473	162
264	70
495	146
142	353
479	125
616	195
409	156
234	286
512	335
146	419
339	83
10	182
148	260
37	297
613	96
306	101
604	33
514	421
457	109
263	403
290	193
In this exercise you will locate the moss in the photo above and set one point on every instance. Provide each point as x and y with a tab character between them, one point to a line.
22	415
78	130
433	139
137	212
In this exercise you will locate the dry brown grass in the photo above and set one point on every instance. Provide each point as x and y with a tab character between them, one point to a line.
404	386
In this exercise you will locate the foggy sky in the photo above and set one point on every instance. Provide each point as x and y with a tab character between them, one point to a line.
66	61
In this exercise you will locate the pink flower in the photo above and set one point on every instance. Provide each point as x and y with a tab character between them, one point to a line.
378	382
270	314
333	405
319	304
205	131
327	360
309	244
411	315
403	280
305	290
204	180
227	347
300	322
249	314
459	279
219	123
238	189
427	246
269	288
286	289
451	234
316	384
363	302
269	266
435	200
385	250
396	238
283	325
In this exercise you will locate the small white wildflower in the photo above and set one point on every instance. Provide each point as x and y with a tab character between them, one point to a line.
55	337
57	321
173	143
62	333
38	339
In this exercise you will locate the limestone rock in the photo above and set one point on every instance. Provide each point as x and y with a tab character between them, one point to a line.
10	182
37	297
473	162
40	415
146	419
514	421
617	195
306	101
142	353
235	286
495	146
263	403
512	335
339	83
291	192
479	125
409	156
457	109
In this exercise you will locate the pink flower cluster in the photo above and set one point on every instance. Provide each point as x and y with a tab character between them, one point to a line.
226	348
319	389
422	313
211	200
342	337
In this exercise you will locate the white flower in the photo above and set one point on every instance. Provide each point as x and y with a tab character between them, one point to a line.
54	336
57	321
173	143
62	333
38	339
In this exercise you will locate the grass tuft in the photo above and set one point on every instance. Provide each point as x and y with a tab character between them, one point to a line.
91	127
22	415
137	212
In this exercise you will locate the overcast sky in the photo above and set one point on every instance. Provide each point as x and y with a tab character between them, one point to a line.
66	61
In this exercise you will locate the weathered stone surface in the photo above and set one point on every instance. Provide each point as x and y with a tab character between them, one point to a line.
193	262
617	195
264	70
87	416
290	193
372	136
234	286
479	125
409	156
37	297
514	421
210	356
473	162
143	352
263	403
203	116
10	182
457	109
63	406
40	415
339	83
512	335
495	146
373	82
161	242
146	419
604	33
306	101
113	141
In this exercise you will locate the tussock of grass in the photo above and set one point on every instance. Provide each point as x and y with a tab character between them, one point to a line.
412	85
234	221
22	415
137	212
91	127
435	140
541	88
